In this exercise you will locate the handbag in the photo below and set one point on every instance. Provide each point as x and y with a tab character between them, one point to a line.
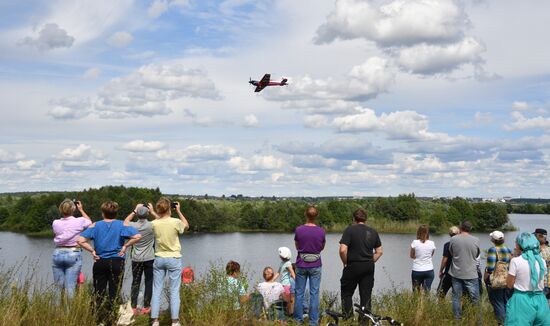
498	276
125	314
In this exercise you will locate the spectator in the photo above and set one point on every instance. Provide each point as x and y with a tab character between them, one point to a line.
234	283
143	257
541	235
109	251
422	251
272	293
445	282
360	248
499	254
287	275
310	241
167	257
67	256
528	305
464	249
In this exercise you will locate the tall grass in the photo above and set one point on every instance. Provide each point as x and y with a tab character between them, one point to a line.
207	303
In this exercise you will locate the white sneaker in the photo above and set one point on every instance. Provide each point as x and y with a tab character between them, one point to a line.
156	323
176	324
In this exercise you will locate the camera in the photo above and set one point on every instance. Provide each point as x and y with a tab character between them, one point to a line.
75	201
174	205
146	205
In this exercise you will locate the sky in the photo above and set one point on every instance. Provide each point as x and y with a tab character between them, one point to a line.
432	97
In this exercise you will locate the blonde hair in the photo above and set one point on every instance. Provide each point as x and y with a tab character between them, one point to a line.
454	230
109	209
67	207
163	205
423	233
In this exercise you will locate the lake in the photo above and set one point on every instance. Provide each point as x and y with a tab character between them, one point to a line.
255	251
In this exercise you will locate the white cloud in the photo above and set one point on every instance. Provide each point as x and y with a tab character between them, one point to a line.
428	59
69	108
483	118
523	123
142	146
255	163
250	121
50	37
92	73
120	39
157	8
8	157
395	23
82	157
315	121
26	165
195	153
80	153
520	105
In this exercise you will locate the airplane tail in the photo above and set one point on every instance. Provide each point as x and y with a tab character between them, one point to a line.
284	81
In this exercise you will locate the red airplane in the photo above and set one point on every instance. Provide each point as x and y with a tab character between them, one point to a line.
266	82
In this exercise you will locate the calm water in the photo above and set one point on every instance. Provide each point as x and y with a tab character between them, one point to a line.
255	251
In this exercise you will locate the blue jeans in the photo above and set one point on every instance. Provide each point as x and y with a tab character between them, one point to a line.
459	286
66	267
314	277
499	299
423	279
163	267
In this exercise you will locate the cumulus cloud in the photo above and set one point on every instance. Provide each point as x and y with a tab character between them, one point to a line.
69	108
92	73
523	123
315	121
144	92
26	165
81	157
50	37
396	23
423	36
250	121
255	163
427	59
120	39
159	7
8	157
142	146
363	82
520	105
196	153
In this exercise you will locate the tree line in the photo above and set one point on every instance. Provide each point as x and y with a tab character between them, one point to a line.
33	213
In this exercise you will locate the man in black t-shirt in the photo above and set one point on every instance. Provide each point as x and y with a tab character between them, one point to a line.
360	248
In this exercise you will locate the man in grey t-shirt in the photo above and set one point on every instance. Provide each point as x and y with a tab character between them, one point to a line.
464	249
143	257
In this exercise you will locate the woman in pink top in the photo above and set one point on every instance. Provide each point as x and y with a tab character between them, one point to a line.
67	258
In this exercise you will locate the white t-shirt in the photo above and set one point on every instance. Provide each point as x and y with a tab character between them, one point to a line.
271	291
423	253
519	267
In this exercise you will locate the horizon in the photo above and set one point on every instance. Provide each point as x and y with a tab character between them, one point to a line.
385	97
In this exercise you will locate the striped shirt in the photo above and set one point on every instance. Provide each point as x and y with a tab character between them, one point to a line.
504	254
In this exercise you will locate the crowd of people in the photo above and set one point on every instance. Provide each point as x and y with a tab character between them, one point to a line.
517	281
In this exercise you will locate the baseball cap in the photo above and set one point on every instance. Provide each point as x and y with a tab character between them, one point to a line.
497	235
142	212
285	253
541	231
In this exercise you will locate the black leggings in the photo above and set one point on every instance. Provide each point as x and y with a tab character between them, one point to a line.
107	273
138	269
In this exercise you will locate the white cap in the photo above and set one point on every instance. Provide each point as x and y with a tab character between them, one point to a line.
497	235
285	253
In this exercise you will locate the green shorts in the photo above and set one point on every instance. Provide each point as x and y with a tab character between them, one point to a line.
527	308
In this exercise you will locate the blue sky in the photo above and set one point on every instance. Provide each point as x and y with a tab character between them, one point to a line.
440	98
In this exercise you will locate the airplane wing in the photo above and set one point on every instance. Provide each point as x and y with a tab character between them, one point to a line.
259	87
265	79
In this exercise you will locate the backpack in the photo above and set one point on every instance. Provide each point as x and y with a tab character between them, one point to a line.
499	274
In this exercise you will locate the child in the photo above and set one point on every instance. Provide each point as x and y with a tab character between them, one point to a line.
287	275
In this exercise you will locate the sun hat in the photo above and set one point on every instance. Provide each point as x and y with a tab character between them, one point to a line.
285	253
496	235
142	212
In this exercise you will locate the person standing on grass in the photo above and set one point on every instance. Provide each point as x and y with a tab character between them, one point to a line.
464	249
168	261
143	257
498	296
360	249
422	251
111	239
528	305
310	241
67	256
445	282
541	235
